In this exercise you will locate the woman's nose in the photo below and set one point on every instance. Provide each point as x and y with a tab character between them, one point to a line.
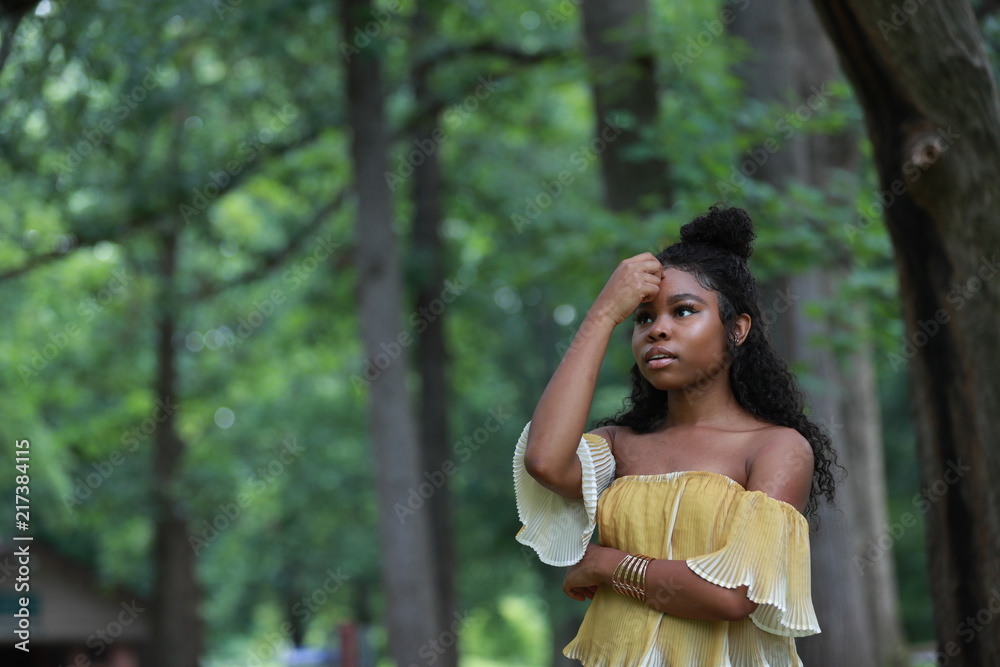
660	328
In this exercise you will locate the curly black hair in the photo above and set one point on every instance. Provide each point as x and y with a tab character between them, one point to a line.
714	248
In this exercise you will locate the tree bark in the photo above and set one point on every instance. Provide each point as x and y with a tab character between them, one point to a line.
933	116
404	531
623	83
789	64
859	404
428	271
177	626
838	594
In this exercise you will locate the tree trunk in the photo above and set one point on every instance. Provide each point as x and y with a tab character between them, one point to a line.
790	65
858	397
404	525
428	270
933	115
838	594
177	626
863	440
623	82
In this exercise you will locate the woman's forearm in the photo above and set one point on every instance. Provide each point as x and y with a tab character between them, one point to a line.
561	414
673	588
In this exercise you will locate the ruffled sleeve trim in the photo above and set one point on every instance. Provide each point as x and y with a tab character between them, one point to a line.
766	549
556	527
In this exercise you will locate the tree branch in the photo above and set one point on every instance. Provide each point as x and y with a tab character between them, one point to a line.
272	260
80	241
35	262
487	48
277	151
435	104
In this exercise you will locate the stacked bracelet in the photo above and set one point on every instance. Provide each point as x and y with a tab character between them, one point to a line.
630	576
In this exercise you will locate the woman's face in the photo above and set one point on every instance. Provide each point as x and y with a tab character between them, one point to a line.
678	338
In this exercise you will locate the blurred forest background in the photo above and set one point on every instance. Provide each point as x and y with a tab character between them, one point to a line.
230	364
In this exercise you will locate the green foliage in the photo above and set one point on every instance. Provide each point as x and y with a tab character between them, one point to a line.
248	98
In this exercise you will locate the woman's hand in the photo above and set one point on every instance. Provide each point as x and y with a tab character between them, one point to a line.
595	568
637	279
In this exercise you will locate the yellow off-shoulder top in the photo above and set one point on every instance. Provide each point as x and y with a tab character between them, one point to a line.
728	535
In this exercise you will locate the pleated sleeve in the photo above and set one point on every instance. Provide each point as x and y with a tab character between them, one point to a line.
556	527
766	549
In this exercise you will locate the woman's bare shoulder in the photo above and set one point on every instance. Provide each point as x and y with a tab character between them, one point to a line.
779	440
612	432
606	432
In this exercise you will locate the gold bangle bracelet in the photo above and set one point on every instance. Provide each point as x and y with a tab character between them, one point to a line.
629	577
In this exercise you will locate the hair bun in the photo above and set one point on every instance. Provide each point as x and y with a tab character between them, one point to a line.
730	229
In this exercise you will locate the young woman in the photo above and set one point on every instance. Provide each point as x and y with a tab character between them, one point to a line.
699	486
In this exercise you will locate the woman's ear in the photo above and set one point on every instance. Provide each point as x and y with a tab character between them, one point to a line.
742	328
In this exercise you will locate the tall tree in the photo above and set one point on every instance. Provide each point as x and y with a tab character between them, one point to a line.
858	433
623	84
789	64
177	626
407	567
427	267
933	115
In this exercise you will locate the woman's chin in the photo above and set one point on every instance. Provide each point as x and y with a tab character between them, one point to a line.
662	383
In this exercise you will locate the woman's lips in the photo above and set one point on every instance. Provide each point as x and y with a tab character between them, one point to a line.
661	362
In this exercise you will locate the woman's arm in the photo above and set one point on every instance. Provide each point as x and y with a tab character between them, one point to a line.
671	587
561	414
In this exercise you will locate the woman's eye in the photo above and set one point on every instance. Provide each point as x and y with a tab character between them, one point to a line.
684	311
642	318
